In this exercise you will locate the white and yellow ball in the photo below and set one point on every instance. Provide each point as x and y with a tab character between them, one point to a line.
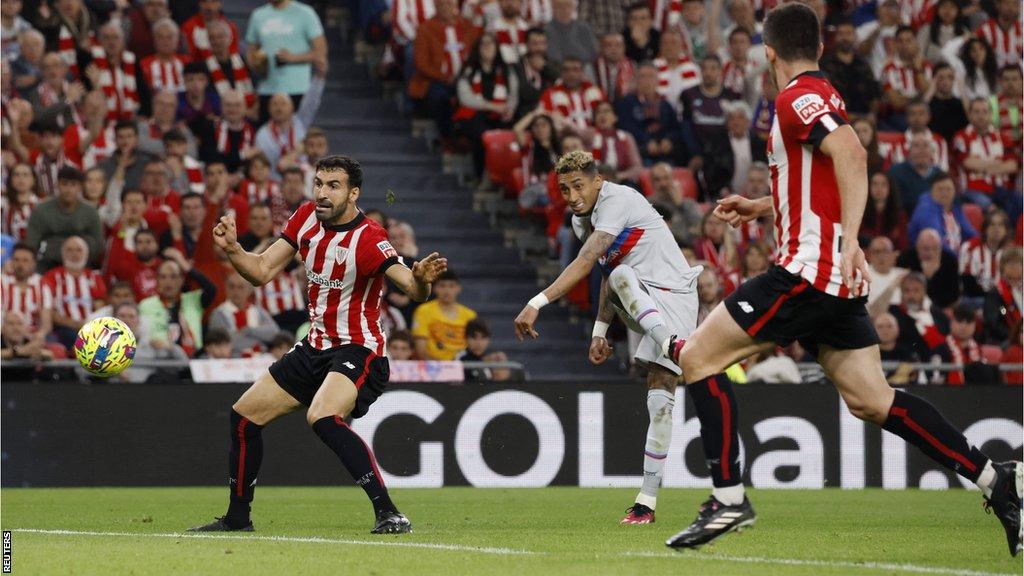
105	347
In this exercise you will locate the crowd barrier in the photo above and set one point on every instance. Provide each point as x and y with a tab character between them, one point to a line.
522	434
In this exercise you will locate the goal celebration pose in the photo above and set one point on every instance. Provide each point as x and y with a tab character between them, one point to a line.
339	369
651	286
816	291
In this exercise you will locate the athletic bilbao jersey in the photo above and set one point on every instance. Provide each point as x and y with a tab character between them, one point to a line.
805	194
73	295
26	299
642	239
345	270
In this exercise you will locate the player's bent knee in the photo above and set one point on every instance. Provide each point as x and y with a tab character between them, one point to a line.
867	409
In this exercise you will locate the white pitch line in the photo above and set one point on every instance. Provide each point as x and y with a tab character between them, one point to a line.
309	540
912	568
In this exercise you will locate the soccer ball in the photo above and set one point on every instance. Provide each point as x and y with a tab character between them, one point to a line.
105	347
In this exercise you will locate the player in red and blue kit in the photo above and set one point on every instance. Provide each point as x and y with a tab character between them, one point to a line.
339	368
816	291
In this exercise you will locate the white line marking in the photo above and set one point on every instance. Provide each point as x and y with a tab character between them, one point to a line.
913	568
310	540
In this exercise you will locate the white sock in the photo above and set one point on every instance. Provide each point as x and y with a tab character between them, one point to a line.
659	437
638	303
730	495
986	478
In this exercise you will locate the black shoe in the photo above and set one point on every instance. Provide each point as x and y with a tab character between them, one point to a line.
1006	501
714	520
392	523
219	525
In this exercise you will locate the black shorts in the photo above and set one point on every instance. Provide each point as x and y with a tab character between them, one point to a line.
303	369
781	307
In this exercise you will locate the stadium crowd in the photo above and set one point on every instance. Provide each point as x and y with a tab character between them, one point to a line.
673	97
130	127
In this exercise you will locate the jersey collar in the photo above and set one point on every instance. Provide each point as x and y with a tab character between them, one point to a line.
350	225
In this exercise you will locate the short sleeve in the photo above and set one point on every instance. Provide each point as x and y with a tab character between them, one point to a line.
314	29
294	225
252	34
421	322
611	213
375	252
806	116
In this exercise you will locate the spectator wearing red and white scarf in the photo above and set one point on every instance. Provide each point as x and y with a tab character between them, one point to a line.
488	93
572	97
407	16
282	133
19	199
1003	32
613	72
116	72
49	158
71	292
614	147
676	71
250	326
69	28
55	99
230	139
228	71
959	347
510	31
740	73
1004	303
196	30
923	325
165	69
163	120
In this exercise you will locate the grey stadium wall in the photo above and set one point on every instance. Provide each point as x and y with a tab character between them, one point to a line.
488	435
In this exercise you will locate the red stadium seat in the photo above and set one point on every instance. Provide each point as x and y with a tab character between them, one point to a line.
974	215
501	156
684	177
992	354
518	181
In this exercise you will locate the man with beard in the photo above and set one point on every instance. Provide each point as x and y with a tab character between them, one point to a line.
139	267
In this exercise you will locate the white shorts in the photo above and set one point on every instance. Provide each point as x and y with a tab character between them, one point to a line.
678	310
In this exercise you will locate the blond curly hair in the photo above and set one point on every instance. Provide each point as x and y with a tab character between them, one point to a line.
578	161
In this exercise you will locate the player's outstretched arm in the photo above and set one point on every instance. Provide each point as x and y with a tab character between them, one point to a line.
851	167
258	269
600	350
416	282
736	210
577	270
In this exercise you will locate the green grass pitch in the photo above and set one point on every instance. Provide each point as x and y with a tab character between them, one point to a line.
469	531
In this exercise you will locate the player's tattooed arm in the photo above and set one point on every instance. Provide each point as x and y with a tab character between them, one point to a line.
595	247
605	312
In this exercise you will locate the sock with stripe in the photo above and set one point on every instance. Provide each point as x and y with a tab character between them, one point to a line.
715	404
921	424
244	461
638	303
357	458
659	436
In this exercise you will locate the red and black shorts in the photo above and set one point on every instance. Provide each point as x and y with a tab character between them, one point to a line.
781	307
303	369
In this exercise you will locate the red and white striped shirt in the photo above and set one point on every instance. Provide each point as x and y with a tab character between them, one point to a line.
281	294
255	193
667	14
118	84
991	146
73	296
194	170
26	298
408	15
15	221
345	266
900	77
163	74
240	79
807	224
672	81
577	106
897	152
1007	44
734	75
511	38
100	148
616	80
978	260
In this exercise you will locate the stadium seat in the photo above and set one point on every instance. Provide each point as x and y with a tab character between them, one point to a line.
501	157
974	215
991	353
518	181
684	177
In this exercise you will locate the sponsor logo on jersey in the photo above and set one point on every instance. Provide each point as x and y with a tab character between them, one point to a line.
385	247
746	307
323	280
809	106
